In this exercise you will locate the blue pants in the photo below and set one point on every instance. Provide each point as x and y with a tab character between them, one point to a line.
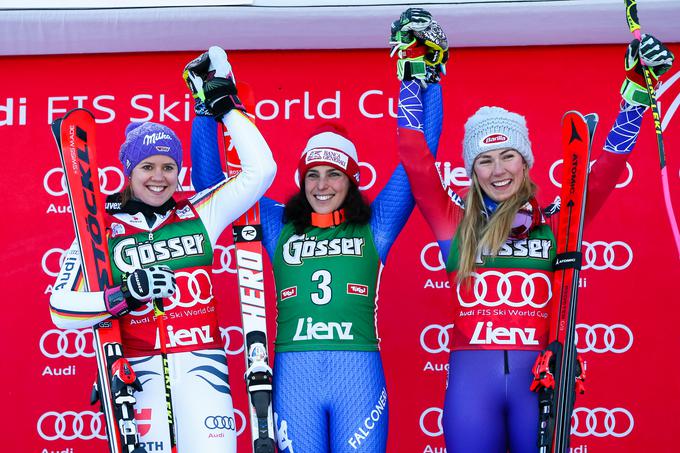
330	401
489	407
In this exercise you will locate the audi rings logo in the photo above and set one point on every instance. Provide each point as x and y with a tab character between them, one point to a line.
68	343
368	185
431	422
435	338
192	288
231	347
220	422
601	422
225	259
111	180
51	269
529	285
374	175
70	425
432	260
241	424
601	338
600	255
553	167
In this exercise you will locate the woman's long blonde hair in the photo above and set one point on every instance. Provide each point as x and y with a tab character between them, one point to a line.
476	234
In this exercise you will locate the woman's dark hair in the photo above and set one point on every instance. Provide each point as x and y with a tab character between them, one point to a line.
299	211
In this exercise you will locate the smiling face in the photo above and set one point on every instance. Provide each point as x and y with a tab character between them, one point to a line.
326	188
154	180
500	173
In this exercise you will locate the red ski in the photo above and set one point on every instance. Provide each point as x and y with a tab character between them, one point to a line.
249	263
558	372
75	136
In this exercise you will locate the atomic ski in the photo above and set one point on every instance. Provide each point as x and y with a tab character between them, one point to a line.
249	263
557	392
116	382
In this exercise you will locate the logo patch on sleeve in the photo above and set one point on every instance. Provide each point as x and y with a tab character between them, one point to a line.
117	229
185	213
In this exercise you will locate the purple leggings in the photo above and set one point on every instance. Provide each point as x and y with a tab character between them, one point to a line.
489	407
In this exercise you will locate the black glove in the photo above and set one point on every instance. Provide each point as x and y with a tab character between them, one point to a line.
138	288
658	59
421	44
211	81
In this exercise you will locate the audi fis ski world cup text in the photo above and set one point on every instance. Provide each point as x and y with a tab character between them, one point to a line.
159	107
371	104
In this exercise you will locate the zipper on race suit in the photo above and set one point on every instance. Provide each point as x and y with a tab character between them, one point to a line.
506	363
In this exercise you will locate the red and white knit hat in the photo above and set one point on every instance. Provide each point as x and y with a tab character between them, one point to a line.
329	145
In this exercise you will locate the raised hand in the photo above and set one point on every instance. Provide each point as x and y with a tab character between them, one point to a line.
421	46
211	81
658	59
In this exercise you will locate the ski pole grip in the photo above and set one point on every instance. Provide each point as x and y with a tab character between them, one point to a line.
634	23
632	17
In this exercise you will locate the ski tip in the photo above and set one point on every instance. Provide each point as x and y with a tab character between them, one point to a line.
75	113
56	123
56	131
79	111
571	114
592	118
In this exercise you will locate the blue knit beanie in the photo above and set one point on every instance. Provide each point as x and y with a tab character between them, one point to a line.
143	140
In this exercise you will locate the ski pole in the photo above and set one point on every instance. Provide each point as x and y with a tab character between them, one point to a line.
159	312
634	27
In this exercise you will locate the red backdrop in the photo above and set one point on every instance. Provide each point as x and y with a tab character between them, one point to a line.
628	300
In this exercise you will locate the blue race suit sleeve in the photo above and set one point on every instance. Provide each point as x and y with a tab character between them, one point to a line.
394	204
623	135
207	171
205	153
271	216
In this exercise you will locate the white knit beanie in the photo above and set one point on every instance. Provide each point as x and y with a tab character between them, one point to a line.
493	128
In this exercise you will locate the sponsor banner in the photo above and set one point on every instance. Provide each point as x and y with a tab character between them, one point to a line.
627	282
